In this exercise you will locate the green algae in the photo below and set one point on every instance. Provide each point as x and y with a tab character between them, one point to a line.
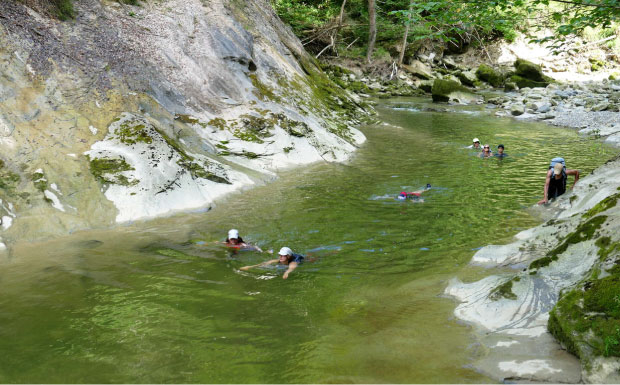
218	123
39	181
584	232
108	171
132	132
263	91
602	206
504	290
188	119
8	179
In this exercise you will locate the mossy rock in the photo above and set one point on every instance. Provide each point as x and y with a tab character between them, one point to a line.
529	70
444	90
522	82
488	74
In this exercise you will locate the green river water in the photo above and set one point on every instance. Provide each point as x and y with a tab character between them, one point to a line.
151	302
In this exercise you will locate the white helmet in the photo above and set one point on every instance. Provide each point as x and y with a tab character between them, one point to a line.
285	251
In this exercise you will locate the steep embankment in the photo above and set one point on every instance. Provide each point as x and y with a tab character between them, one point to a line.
132	112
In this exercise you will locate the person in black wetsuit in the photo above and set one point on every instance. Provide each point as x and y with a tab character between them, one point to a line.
555	185
286	257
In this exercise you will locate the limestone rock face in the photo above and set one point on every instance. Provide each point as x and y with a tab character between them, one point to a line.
132	112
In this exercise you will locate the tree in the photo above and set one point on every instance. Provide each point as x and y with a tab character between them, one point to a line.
372	29
403	48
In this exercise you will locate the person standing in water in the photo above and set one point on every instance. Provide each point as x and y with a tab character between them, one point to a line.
236	242
500	152
486	151
555	184
285	257
475	145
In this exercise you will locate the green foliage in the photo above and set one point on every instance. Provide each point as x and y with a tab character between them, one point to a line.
446	21
64	9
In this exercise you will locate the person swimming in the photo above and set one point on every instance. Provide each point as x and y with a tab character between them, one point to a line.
285	257
233	240
414	195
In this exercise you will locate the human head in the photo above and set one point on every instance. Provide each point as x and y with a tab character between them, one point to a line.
476	142
233	236
500	148
285	253
557	170
486	148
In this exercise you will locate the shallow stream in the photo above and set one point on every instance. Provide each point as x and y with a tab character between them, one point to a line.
160	302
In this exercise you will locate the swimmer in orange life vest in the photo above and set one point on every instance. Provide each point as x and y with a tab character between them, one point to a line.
236	242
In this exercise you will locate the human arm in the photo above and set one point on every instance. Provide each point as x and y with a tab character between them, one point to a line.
291	266
269	262
547	181
575	173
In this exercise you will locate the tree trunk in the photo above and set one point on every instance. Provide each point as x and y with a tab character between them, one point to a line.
401	57
372	32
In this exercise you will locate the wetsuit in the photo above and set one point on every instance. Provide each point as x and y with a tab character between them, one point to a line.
557	187
297	258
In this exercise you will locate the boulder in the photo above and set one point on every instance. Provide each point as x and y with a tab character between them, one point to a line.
448	90
426	85
530	73
510	86
522	82
467	78
488	74
516	110
449	63
419	69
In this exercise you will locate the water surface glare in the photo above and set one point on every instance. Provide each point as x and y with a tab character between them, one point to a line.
159	302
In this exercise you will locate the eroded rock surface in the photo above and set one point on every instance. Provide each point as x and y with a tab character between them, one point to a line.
131	112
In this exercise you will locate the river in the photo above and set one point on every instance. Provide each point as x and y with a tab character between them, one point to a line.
158	301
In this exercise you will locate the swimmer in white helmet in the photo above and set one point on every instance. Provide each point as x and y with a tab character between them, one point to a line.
286	257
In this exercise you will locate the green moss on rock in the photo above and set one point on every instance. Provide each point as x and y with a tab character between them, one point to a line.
263	91
584	232
442	89
132	132
108	171
603	205
488	74
504	290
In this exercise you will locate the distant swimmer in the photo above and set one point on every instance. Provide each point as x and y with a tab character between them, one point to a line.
486	151
475	145
236	242
414	195
500	152
286	257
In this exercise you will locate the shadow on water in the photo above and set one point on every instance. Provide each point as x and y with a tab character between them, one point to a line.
161	301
